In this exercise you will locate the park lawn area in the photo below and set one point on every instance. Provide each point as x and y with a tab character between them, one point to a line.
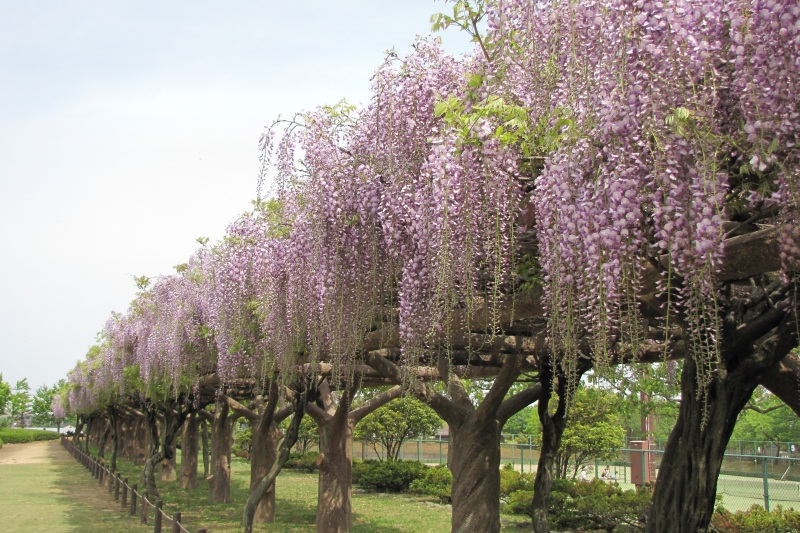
295	506
54	493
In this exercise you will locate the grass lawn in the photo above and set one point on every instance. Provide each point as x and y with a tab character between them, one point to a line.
295	506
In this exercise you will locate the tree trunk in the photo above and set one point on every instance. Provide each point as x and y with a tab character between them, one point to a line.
258	491
686	487
263	454
189	449
101	445
219	481
154	456
169	467
475	463
204	437
334	509
552	431
114	421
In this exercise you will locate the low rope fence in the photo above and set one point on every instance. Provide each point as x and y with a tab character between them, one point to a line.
131	500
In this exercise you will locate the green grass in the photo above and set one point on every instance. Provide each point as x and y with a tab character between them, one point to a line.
295	506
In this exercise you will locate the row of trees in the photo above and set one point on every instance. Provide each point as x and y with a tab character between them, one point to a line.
17	401
602	185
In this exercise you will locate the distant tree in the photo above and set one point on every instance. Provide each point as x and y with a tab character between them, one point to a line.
767	418
401	419
594	431
5	395
20	400
42	406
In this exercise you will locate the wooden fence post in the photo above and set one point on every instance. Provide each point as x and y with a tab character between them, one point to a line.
176	523
124	493
144	507
116	487
133	499
157	521
100	477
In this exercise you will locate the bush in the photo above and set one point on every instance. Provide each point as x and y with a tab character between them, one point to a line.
387	476
302	461
436	481
585	504
1	443
242	442
512	481
756	520
21	436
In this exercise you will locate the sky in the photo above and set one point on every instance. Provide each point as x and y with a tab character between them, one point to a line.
129	129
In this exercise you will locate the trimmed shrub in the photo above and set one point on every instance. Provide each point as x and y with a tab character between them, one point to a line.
756	520
387	476
579	505
512	481
21	436
1	443
302	461
436	481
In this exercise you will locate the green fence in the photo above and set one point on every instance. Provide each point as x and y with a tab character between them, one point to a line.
745	479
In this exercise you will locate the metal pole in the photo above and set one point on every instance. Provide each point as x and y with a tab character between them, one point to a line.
766	484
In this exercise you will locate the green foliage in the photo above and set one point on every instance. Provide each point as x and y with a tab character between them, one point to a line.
242	441
436	481
1	443
21	436
401	419
756	520
42	406
512	481
387	476
307	435
5	395
302	461
584	505
767	418
594	431
20	399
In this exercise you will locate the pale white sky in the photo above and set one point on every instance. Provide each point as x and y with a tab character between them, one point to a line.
130	128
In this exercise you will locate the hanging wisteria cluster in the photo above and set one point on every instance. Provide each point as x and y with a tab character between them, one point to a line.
648	118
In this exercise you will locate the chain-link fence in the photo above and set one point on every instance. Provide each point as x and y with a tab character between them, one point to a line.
745	479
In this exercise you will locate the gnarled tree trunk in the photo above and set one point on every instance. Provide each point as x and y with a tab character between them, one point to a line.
189	450
219	482
334	494
685	490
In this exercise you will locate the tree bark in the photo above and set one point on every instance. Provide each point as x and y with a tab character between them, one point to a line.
219	481
475	463
257	492
114	420
552	430
686	486
474	451
334	495
206	455
189	449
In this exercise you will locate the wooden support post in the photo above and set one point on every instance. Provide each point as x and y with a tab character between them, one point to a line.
133	499
101	476
116	487
124	503
144	507
110	481
176	523
157	520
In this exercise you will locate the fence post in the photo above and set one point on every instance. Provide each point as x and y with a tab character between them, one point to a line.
144	507
116	487
157	521
100	477
110	481
124	503
133	499
766	484
176	523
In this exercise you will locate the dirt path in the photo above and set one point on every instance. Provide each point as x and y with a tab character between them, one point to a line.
29	454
